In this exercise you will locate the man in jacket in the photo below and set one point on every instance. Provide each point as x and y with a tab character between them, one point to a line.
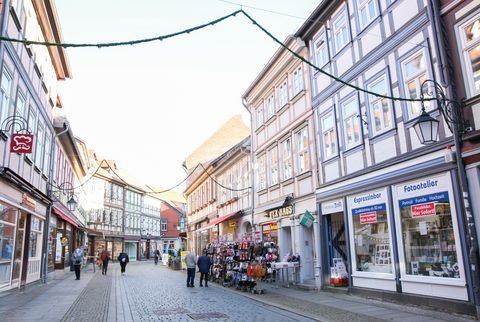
105	258
123	260
77	258
191	262
204	264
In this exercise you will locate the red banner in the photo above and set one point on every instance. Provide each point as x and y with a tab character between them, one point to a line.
426	209
368	218
21	143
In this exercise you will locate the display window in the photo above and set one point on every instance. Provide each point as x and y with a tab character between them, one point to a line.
371	232
7	240
429	229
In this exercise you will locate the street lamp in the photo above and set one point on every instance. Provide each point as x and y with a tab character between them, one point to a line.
68	189
426	127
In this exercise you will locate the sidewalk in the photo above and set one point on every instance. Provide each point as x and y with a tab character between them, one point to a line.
329	306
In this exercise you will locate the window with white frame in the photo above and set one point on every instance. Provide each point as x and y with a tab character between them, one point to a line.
415	73
470	47
273	165
270	106
367	11
262	175
321	51
32	125
260	119
40	146
283	94
340	31
303	160
297	81
381	113
287	159
5	88
329	135
20	105
163	225
351	122
48	153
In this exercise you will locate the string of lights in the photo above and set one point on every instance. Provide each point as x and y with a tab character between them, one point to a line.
221	185
211	23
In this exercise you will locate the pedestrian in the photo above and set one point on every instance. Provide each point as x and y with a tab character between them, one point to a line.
191	262
204	264
105	258
123	259
77	258
157	256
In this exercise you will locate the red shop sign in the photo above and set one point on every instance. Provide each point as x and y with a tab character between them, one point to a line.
368	218
21	143
425	209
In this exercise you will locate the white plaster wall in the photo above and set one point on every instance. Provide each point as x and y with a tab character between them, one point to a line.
403	13
331	171
344	61
354	162
371	39
385	149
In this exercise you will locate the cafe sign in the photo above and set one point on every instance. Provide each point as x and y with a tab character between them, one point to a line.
280	212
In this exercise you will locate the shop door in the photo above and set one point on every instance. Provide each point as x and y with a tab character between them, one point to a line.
19	251
337	247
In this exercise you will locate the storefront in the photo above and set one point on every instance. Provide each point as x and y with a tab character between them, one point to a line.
286	226
131	247
22	220
402	236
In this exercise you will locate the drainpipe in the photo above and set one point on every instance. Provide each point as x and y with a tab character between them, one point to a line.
252	179
50	206
465	208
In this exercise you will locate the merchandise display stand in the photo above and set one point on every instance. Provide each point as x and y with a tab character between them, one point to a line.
244	265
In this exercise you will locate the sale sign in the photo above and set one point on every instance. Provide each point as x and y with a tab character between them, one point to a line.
368	218
21	143
426	209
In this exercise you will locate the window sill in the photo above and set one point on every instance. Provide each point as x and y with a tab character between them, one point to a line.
262	191
305	174
3	135
353	149
383	135
274	187
37	169
333	158
28	160
283	108
270	120
261	127
297	96
287	181
16	20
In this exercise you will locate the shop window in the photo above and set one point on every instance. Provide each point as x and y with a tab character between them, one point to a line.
372	239
428	236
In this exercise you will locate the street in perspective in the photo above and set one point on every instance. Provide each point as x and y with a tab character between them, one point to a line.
213	160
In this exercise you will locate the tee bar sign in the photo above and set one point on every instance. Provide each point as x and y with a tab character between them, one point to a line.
21	143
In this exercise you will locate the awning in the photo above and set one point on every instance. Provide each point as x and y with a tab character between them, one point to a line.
222	219
64	216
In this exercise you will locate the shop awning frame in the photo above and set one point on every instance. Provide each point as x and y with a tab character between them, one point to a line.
223	218
65	217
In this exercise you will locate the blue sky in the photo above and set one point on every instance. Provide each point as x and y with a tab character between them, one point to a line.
149	105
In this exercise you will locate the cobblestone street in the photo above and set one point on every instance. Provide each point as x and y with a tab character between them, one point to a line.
156	293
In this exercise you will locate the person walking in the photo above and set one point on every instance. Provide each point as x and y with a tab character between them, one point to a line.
191	262
157	256
105	258
204	264
77	258
123	259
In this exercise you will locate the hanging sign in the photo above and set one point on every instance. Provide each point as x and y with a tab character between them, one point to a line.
307	219
21	143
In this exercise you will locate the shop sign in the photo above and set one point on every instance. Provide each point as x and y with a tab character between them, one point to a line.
427	209
21	143
28	201
269	227
232	223
331	207
280	212
307	219
368	218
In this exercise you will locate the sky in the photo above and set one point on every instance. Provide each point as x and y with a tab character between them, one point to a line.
148	106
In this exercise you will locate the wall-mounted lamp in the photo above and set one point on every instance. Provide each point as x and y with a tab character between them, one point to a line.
67	189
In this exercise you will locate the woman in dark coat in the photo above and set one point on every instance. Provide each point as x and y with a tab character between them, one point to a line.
204	264
123	259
